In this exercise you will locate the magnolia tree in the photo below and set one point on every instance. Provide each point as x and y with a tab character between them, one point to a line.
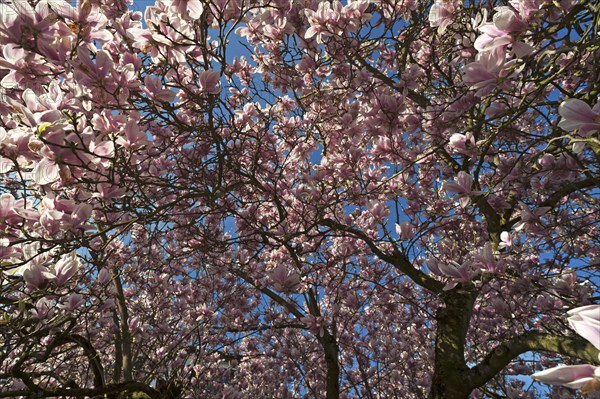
299	199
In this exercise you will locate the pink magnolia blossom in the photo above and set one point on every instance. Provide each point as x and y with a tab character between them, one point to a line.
284	279
530	219
570	376
8	204
46	172
586	322
74	301
318	20
80	214
44	309
497	35
65	268
37	276
132	137
453	272
578	115
405	230
491	38
104	276
526	7
88	72
441	14
155	90
457	273
193	8
314	324
491	70
209	81
507	20
462	186
506	240
463	143
377	209
487	261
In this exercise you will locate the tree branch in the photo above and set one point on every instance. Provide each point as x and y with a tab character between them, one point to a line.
502	355
399	260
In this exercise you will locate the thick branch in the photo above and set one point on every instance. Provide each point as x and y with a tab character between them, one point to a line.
124	328
569	188
92	355
329	344
501	356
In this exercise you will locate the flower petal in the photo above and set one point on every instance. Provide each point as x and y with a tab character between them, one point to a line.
569	376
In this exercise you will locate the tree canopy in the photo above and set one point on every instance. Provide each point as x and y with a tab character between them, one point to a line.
298	198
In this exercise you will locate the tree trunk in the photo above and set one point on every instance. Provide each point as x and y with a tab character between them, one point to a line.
333	368
450	376
124	333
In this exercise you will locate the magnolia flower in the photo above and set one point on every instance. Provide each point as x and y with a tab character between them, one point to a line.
486	260
586	322
209	82
506	240
454	272
529	218
193	8
441	15
490	70
577	377
500	33
405	230
44	308
284	280
8	204
457	273
104	276
37	276
463	143
462	186
46	172
507	20
578	115
65	268
377	209
74	301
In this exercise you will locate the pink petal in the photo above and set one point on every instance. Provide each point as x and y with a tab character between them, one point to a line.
569	376
464	201
7	202
575	113
488	43
12	53
45	172
104	64
450	270
590	310
106	149
586	322
312	31
491	30
454	188
522	49
195	8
